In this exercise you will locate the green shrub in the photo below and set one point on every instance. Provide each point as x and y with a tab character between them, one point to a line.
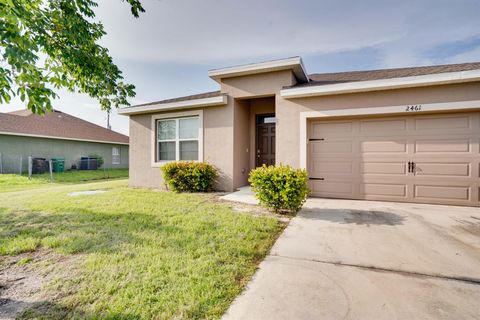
281	188
189	176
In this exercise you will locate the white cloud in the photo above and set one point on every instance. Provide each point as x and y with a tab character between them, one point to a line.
215	32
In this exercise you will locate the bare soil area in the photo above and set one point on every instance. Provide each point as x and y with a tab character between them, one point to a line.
24	279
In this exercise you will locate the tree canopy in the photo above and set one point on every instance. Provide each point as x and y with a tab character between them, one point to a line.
46	45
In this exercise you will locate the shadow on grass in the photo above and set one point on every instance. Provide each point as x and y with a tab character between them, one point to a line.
77	231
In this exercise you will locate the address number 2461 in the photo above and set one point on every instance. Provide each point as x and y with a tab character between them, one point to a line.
417	107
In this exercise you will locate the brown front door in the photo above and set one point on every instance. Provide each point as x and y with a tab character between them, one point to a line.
265	151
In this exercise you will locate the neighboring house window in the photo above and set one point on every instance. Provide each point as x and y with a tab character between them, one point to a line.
178	139
115	155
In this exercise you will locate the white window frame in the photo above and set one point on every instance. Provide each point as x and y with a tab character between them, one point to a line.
175	116
114	154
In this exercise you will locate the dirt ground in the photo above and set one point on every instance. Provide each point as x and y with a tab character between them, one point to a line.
24	279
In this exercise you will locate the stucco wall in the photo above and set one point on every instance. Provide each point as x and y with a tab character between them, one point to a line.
232	157
217	147
141	173
12	147
288	111
218	143
257	85
242	150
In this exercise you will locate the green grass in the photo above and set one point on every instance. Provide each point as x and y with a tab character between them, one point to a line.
146	254
12	182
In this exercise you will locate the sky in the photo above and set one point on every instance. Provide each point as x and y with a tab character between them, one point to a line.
168	51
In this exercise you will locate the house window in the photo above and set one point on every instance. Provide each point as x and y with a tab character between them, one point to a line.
177	139
115	155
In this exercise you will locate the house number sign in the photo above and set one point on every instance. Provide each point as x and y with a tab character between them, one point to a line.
415	107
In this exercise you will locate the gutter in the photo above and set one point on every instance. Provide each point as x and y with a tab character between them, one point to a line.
177	105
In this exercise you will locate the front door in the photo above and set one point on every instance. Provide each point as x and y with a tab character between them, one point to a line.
265	148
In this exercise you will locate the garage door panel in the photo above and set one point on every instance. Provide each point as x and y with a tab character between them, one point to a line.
336	189
328	129
320	167
385	146
374	168
382	127
382	189
439	169
443	123
443	145
333	146
442	192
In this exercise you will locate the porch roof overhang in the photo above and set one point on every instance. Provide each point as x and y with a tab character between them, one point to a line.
176	105
294	63
382	84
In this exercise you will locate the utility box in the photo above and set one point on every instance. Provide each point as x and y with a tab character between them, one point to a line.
88	163
39	165
58	164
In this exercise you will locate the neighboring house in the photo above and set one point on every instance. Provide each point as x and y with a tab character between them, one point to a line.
409	134
57	134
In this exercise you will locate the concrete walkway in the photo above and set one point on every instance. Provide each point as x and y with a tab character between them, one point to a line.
342	259
243	195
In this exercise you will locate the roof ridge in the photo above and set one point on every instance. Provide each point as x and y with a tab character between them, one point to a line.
254	63
398	68
90	123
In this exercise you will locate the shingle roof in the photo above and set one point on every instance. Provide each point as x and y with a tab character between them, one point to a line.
318	79
57	124
184	98
352	76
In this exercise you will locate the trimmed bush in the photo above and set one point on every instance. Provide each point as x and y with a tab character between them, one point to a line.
281	188
189	176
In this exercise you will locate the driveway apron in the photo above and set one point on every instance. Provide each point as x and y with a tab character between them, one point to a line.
345	259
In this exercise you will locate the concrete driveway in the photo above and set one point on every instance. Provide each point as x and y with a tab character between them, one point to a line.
343	259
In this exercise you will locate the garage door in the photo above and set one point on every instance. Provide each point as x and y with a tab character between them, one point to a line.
425	159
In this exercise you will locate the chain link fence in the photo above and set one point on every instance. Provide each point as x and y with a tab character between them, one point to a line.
55	169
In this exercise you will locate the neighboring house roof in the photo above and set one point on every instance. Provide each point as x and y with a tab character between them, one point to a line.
366	75
57	125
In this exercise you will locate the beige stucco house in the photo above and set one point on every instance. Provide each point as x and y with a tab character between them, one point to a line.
409	135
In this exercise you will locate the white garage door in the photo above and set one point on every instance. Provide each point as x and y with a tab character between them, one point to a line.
425	159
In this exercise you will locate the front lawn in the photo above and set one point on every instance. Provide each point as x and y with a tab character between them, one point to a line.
143	254
13	182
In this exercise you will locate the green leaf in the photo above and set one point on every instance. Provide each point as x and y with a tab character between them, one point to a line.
63	32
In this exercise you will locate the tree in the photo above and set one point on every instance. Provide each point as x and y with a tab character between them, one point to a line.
52	44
